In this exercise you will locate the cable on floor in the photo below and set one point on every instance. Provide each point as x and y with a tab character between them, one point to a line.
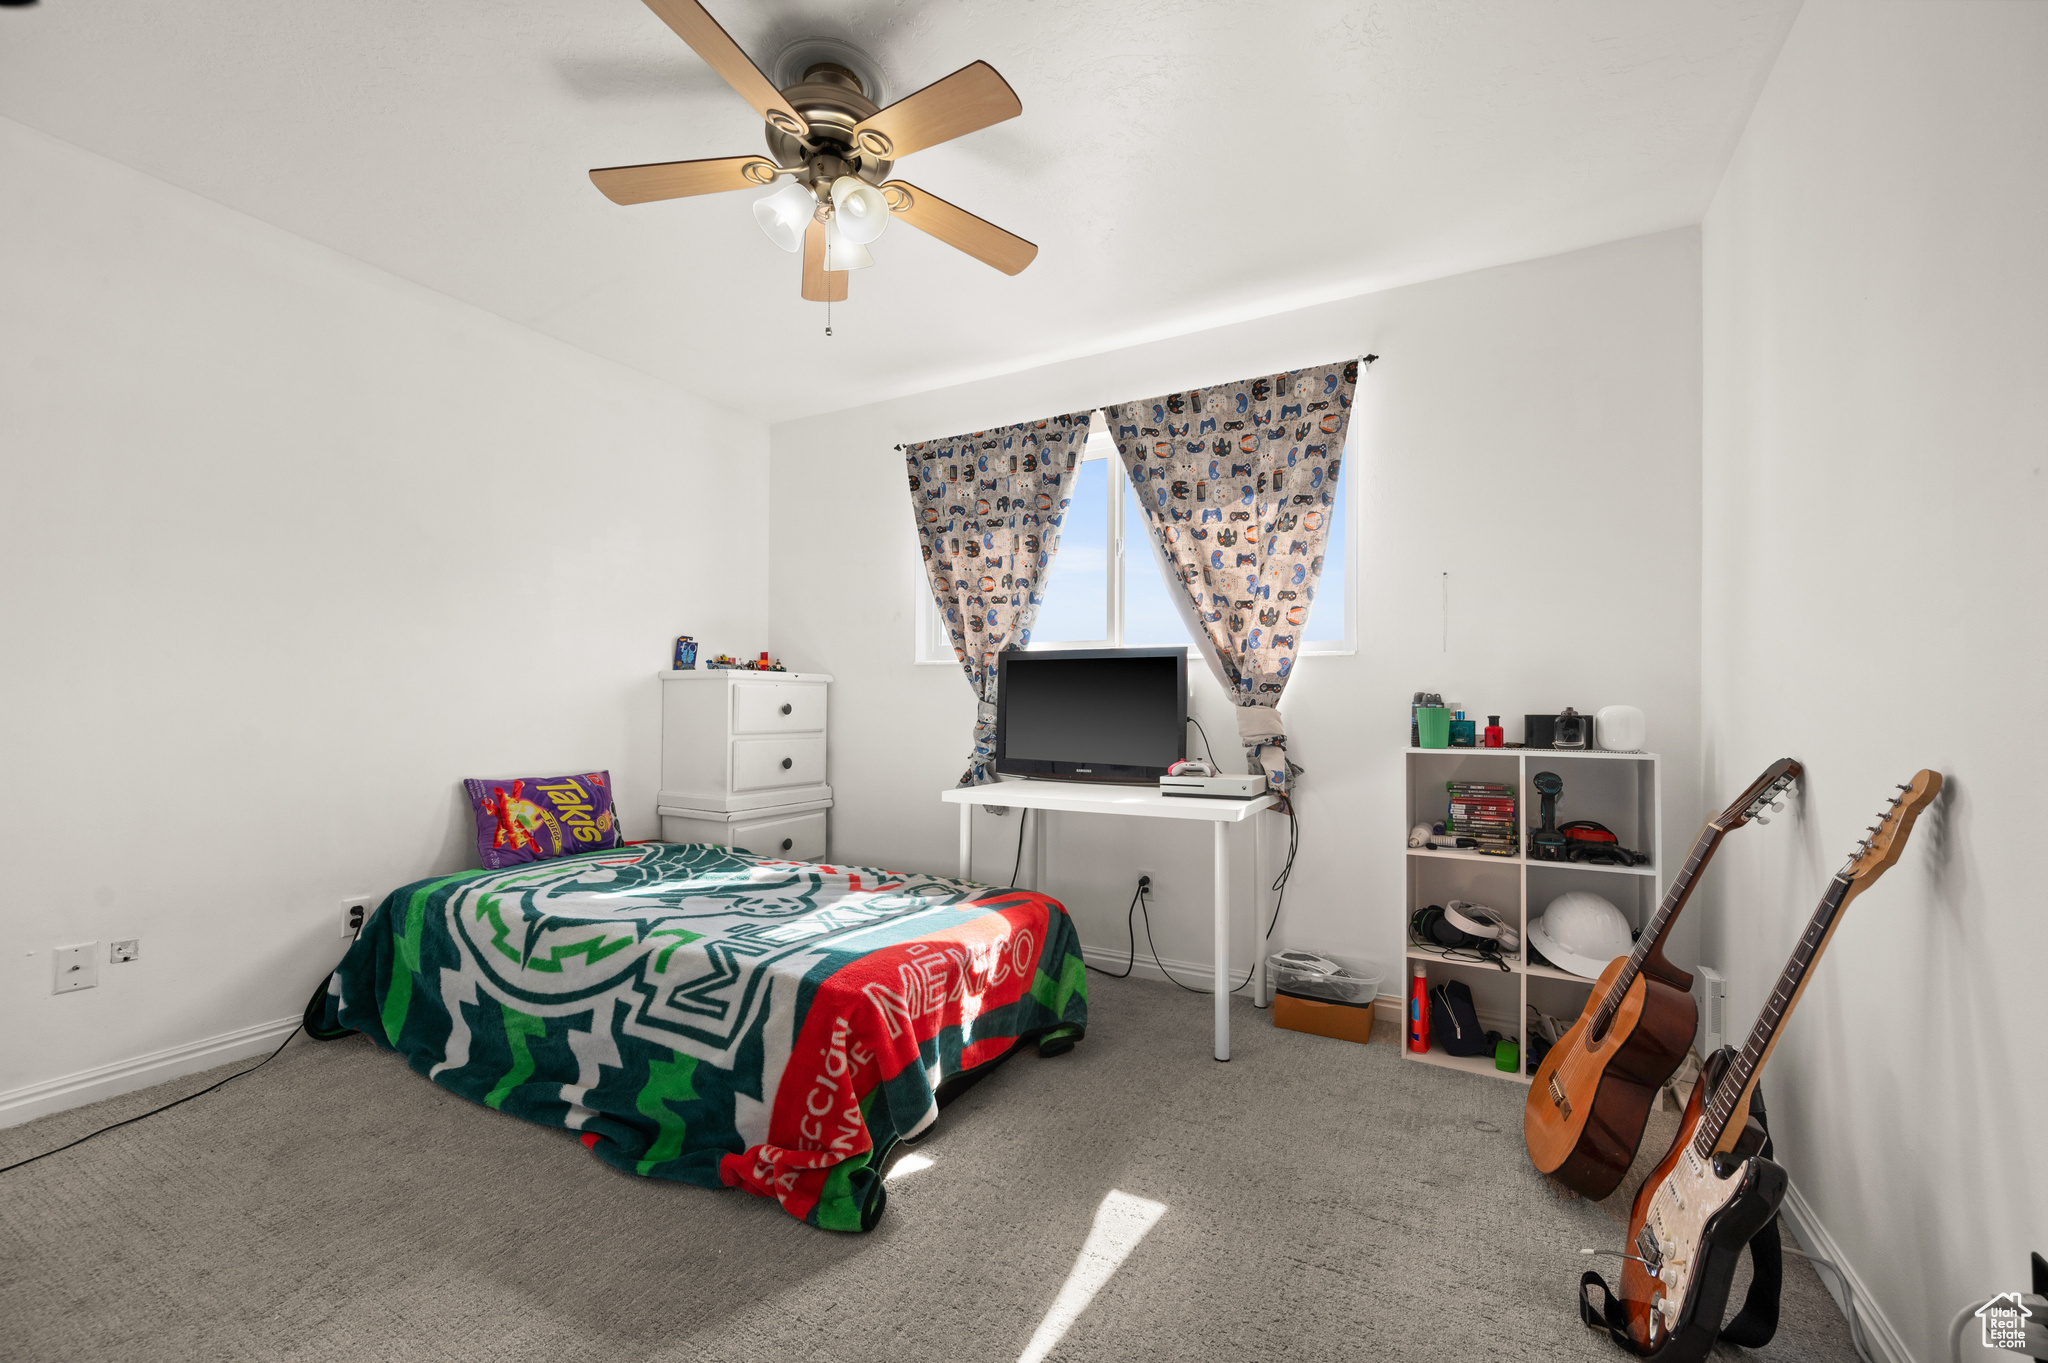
153	1111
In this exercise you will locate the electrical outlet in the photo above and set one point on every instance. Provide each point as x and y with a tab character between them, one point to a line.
354	913
124	951
76	968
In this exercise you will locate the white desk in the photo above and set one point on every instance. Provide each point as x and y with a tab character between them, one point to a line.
1145	802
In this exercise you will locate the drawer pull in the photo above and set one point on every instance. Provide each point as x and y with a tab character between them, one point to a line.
785	707
785	764
788	843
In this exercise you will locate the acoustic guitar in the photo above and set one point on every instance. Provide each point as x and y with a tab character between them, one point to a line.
1591	1096
1712	1192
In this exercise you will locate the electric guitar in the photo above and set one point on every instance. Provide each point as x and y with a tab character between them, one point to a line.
1712	1192
1587	1106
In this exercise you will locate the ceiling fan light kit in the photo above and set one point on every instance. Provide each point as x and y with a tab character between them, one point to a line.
858	210
784	214
843	253
825	132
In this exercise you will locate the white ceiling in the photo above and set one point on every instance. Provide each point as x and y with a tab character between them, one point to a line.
1179	162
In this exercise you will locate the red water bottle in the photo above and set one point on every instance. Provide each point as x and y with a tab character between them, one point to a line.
1418	1009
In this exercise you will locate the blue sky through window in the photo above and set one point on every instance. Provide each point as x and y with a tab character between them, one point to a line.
1076	608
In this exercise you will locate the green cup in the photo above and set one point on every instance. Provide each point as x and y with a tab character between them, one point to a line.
1433	726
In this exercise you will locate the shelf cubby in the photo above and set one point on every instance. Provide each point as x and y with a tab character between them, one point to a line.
1623	791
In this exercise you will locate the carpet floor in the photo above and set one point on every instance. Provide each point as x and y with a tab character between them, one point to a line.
1322	1200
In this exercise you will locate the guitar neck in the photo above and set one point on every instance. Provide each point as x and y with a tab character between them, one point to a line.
1741	1076
1652	937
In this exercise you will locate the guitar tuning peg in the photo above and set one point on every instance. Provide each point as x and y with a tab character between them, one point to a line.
1905	787
1777	806
1763	818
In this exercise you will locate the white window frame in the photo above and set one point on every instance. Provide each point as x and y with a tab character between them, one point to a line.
935	649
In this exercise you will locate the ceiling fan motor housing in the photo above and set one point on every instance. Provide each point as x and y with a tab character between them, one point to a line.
830	98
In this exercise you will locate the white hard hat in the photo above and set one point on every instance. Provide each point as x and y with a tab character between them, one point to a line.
1581	932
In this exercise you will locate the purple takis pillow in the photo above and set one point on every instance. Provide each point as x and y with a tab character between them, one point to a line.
535	818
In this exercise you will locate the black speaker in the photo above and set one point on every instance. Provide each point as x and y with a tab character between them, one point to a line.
1539	731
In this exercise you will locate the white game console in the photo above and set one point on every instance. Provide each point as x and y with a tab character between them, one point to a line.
1214	787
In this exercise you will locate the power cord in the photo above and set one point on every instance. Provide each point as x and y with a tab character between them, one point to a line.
1023	817
165	1108
1279	886
1130	926
1205	741
1848	1293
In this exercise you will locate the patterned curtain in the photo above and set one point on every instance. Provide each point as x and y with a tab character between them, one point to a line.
1238	483
989	507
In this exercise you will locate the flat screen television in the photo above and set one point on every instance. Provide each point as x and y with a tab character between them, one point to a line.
1091	714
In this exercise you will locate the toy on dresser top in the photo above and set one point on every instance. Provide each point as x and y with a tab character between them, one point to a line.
686	660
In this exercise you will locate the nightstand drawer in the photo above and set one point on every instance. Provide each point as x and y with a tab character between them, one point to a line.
772	763
778	707
799	837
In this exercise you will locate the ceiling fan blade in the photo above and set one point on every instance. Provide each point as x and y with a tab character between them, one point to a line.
971	98
958	228
676	179
695	26
820	284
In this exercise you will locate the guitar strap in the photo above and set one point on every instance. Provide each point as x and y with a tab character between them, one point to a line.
1757	1321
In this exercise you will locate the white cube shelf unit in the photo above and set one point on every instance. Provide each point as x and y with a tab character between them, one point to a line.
1624	791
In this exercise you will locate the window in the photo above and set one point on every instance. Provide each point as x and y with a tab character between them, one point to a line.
1107	590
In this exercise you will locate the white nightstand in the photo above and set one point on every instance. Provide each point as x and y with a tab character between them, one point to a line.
743	761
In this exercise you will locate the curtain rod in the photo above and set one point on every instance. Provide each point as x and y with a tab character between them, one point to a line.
1365	360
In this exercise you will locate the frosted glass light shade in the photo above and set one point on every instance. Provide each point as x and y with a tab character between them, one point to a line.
841	254
785	214
860	209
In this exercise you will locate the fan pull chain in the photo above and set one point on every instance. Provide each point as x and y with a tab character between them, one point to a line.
828	317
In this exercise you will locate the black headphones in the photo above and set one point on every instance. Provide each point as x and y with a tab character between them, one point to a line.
1462	927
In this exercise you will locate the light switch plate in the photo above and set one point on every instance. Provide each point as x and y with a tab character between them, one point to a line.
76	968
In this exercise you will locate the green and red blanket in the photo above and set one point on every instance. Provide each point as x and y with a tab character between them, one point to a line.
712	1016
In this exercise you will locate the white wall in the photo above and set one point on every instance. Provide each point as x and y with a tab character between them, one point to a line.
1534	429
292	547
1876	304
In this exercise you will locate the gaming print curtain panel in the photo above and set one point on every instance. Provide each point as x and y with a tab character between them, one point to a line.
989	506
1238	483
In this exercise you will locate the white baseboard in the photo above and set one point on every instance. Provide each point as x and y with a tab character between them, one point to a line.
1387	1007
1813	1237
1194	974
125	1076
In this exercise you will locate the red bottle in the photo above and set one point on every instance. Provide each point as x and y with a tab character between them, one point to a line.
1493	734
1418	1009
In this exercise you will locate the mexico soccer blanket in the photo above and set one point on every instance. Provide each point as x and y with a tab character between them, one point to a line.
713	1016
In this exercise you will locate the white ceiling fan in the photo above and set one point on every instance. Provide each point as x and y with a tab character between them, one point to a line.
827	135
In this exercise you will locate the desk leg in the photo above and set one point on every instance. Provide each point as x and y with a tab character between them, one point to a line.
1222	836
1260	946
966	841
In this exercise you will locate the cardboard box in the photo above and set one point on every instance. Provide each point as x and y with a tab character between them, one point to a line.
1343	1021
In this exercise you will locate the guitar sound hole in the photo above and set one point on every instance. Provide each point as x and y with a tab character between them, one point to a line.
785	764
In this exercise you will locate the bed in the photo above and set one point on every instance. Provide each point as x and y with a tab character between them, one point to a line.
711	1016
